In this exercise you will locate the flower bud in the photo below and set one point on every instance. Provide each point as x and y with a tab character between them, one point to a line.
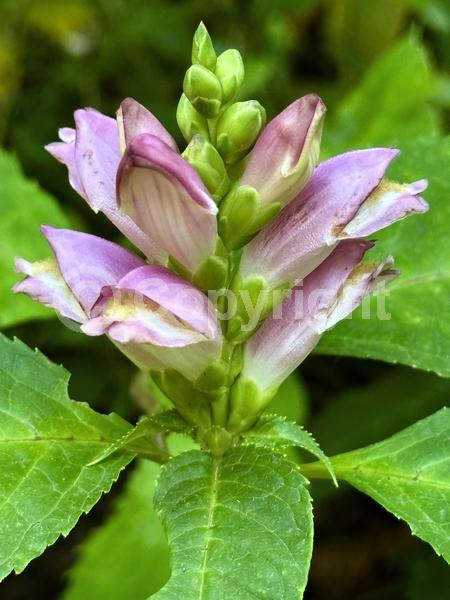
190	121
230	72
203	89
242	215
238	129
208	163
202	49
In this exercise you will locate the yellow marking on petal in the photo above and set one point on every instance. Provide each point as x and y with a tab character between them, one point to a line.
385	186
42	267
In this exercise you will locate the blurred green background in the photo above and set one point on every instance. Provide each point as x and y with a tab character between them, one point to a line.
383	69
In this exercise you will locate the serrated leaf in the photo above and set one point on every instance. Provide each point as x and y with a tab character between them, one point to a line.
46	443
126	558
366	414
238	528
170	421
415	328
277	433
24	208
408	474
144	439
391	104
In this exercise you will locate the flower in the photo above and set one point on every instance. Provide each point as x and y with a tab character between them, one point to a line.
178	219
156	318
330	293
286	152
165	197
278	167
346	198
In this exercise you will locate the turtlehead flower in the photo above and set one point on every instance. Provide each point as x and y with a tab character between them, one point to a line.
186	228
238	184
156	318
286	338
165	197
346	198
278	167
286	152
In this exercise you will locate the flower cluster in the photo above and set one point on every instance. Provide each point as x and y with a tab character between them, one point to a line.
245	208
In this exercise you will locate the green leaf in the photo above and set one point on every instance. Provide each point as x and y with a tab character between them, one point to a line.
24	208
416	330
46	443
408	474
391	105
127	558
366	414
238	528
145	439
277	433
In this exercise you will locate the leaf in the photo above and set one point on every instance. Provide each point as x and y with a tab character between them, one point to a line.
46	443
366	414
24	208
278	433
238	528
391	105
144	439
415	328
127	558
408	474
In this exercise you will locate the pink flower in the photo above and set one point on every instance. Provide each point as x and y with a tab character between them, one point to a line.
173	214
156	318
346	198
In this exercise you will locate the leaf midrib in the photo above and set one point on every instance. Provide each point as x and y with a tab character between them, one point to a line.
210	524
341	472
49	440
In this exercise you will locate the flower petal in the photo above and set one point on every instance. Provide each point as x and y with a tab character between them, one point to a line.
134	119
307	230
165	197
159	321
45	284
325	297
389	202
88	263
172	293
64	152
287	151
91	154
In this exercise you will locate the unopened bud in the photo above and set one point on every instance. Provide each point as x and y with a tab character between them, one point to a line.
238	129
230	72
242	215
190	121
202	49
203	89
209	165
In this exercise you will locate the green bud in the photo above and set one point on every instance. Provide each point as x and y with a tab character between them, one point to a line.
230	72
254	301
242	215
192	405
203	89
209	165
218	440
248	402
238	129
212	273
213	377
203	52
190	121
